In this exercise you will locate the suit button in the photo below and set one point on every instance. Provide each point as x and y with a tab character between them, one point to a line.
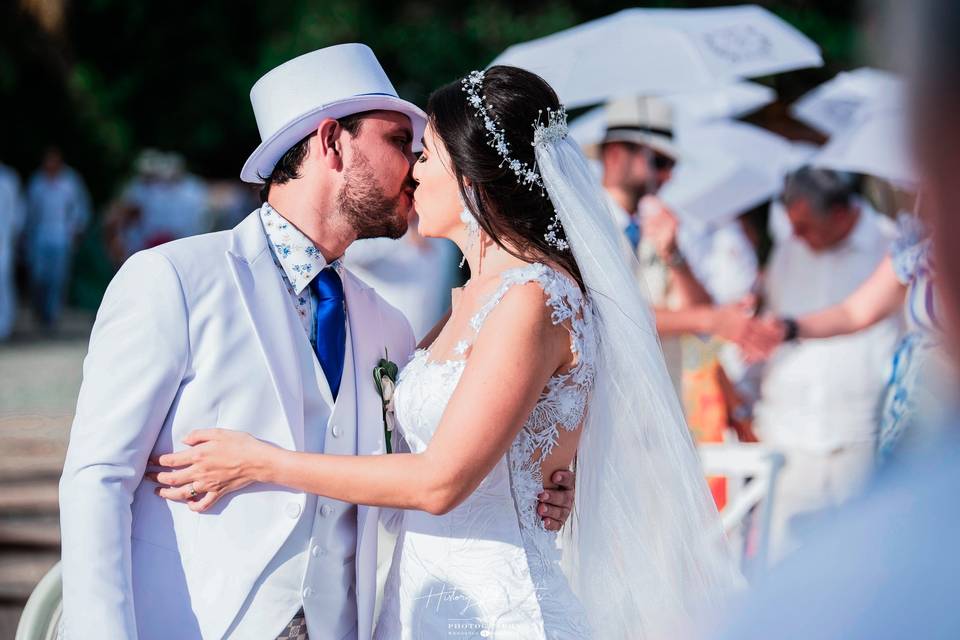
315	551
308	592
335	431
325	510
293	509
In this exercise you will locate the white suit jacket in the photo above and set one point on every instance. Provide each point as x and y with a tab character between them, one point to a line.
198	333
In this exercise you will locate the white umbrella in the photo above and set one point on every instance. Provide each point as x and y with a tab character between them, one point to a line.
726	169
730	101
801	152
663	51
876	143
831	107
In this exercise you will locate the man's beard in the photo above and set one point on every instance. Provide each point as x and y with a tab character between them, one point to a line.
368	210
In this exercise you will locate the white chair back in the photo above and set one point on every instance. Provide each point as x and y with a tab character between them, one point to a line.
751	472
40	619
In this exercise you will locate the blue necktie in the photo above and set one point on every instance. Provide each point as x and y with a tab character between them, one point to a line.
632	231
330	322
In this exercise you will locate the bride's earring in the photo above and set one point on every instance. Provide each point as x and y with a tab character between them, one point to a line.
473	232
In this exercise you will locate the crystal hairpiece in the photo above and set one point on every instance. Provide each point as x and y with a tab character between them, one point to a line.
553	130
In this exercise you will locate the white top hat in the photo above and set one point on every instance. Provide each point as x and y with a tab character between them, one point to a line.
290	101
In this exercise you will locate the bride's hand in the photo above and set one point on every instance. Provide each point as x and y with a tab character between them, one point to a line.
218	462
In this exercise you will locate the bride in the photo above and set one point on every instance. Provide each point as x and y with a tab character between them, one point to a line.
548	359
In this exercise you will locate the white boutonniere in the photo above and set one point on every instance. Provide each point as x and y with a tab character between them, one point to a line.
385	377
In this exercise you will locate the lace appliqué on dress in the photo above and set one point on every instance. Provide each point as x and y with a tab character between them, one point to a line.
564	401
493	550
562	405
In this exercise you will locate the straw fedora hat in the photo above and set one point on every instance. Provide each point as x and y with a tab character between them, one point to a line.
641	120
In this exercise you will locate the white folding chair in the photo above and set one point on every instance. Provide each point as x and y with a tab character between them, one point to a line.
40	619
751	472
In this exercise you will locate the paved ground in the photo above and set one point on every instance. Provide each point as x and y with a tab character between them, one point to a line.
39	378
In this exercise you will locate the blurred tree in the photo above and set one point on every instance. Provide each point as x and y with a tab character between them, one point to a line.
106	78
125	75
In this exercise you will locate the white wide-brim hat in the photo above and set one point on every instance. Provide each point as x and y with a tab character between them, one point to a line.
291	101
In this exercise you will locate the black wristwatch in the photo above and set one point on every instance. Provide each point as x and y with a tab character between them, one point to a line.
792	329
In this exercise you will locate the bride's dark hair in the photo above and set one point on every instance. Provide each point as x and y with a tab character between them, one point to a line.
514	215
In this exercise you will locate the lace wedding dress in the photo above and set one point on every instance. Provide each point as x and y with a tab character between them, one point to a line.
488	568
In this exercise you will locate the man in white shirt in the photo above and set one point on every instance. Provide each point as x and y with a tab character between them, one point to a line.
819	399
638	156
58	209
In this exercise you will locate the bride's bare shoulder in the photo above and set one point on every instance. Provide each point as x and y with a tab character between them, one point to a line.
526	310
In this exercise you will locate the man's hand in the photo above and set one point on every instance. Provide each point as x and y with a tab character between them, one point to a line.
555	504
732	321
763	336
659	225
757	337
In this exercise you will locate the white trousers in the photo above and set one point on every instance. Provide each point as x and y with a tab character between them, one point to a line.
810	482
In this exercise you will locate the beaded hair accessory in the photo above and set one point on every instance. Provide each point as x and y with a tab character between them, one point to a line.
553	130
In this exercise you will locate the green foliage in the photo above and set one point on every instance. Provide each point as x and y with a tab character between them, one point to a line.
128	75
177	75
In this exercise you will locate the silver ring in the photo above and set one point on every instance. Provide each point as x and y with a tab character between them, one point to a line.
193	491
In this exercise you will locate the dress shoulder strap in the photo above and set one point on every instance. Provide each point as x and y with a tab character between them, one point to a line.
563	296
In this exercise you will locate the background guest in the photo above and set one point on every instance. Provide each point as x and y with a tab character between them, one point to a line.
58	209
11	223
819	399
886	566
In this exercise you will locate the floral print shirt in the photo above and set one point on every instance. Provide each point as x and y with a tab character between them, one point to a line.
298	261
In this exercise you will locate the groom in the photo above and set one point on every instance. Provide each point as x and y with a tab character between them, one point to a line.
259	329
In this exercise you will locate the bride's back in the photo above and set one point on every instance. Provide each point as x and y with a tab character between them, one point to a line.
553	293
491	554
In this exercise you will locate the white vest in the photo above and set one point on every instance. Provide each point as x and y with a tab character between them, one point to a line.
315	568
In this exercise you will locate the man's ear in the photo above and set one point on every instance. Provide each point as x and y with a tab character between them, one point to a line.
329	143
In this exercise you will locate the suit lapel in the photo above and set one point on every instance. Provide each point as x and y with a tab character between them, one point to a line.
274	323
367	342
345	409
